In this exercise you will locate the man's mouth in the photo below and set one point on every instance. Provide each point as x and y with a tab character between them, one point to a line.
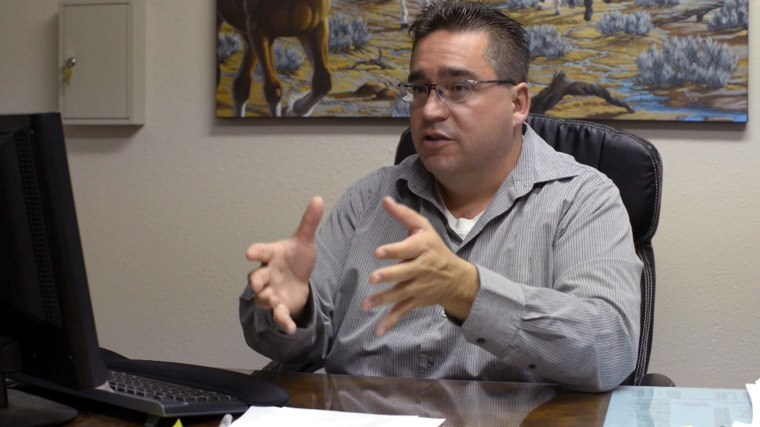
434	137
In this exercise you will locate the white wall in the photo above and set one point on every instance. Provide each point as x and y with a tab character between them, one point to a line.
167	210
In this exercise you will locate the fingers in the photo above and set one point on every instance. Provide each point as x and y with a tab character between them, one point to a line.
388	296
281	283
410	252
403	306
258	279
305	233
411	219
267	299
394	316
281	315
409	248
307	229
261	252
405	250
395	273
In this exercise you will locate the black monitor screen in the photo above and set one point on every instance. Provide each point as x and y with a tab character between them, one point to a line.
44	299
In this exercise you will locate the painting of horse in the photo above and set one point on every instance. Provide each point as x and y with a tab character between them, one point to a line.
639	60
259	23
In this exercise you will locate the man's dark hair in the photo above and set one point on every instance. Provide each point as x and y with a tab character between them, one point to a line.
508	49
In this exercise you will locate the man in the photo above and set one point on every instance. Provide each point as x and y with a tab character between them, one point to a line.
488	256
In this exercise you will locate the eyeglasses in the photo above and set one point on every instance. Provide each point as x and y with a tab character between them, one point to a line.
449	92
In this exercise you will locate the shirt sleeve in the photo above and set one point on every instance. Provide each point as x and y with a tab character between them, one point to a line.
263	334
311	341
581	330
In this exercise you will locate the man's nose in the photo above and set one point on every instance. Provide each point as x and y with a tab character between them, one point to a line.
435	106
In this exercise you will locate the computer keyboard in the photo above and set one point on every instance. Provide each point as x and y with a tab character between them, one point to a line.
169	389
164	399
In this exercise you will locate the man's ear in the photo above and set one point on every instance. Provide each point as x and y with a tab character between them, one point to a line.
520	102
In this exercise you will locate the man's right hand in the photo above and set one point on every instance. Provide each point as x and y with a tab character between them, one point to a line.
282	282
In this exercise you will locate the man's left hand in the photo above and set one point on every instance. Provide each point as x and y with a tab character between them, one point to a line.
428	272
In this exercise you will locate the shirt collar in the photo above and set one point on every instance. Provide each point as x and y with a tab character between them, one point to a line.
538	163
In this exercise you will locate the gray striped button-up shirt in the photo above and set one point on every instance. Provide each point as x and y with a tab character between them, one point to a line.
559	294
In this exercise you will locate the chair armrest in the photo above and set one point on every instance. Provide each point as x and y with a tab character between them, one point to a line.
657	380
273	366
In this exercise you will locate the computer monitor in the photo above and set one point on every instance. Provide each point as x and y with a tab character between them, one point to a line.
47	328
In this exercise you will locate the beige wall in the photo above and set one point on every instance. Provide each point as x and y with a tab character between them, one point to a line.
167	210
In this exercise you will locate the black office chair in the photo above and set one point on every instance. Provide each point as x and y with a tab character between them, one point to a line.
634	165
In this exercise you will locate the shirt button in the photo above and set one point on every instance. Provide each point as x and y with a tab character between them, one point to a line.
480	340
443	314
429	363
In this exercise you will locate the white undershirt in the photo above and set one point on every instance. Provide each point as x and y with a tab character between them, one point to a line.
461	226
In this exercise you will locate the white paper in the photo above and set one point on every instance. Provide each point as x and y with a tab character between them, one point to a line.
753	389
271	416
633	406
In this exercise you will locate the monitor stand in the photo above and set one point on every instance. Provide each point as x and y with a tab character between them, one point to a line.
21	409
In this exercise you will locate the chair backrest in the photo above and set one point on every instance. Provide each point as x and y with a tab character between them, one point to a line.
634	165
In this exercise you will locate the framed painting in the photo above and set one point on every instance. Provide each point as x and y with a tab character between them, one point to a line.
670	60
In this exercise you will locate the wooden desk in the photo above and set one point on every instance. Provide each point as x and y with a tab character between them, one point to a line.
462	403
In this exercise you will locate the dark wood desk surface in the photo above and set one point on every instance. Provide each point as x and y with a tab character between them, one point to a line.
462	403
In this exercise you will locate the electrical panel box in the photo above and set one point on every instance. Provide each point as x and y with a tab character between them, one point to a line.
101	52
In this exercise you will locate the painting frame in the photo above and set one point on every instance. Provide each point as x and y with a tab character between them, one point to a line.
636	60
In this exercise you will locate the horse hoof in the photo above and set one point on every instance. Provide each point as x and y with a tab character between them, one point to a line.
275	110
296	107
240	111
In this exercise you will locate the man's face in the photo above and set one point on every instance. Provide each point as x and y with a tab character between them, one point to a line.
471	140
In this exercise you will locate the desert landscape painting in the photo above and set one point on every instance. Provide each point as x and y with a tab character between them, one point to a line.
669	60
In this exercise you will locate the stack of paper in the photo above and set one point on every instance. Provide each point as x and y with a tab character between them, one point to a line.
635	406
754	398
269	416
